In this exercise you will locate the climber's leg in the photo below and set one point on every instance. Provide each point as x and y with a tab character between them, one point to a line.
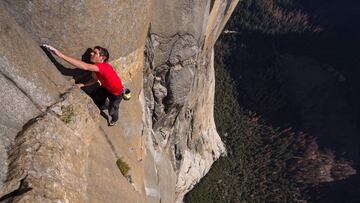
114	107
99	97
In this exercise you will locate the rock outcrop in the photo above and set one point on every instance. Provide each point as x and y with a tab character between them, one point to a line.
179	86
52	139
48	159
28	85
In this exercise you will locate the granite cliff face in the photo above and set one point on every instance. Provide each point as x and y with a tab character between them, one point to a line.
53	143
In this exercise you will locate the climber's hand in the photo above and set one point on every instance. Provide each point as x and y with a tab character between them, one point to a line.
80	85
52	49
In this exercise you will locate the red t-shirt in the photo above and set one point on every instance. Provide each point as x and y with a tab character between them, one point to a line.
109	78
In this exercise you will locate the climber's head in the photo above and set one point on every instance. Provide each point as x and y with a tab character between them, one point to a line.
99	55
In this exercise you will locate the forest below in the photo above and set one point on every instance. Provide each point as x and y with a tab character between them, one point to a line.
287	104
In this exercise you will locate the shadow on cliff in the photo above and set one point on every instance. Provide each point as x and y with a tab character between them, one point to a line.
23	188
80	76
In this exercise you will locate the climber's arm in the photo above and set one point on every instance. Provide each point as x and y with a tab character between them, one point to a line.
92	81
75	62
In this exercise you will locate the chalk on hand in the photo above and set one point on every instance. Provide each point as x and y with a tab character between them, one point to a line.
48	47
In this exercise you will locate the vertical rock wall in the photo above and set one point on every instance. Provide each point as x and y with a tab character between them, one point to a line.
73	25
29	83
179	85
44	160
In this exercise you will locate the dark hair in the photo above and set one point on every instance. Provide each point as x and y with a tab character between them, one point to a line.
103	52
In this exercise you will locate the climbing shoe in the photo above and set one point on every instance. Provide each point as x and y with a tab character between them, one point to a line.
112	123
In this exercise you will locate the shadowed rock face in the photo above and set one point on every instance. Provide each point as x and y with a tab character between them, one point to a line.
43	153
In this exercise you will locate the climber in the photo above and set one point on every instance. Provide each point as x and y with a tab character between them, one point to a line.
111	84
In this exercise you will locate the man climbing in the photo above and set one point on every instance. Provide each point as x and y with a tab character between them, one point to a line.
111	84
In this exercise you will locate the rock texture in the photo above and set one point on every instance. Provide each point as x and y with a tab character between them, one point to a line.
179	86
29	83
48	160
55	147
73	25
